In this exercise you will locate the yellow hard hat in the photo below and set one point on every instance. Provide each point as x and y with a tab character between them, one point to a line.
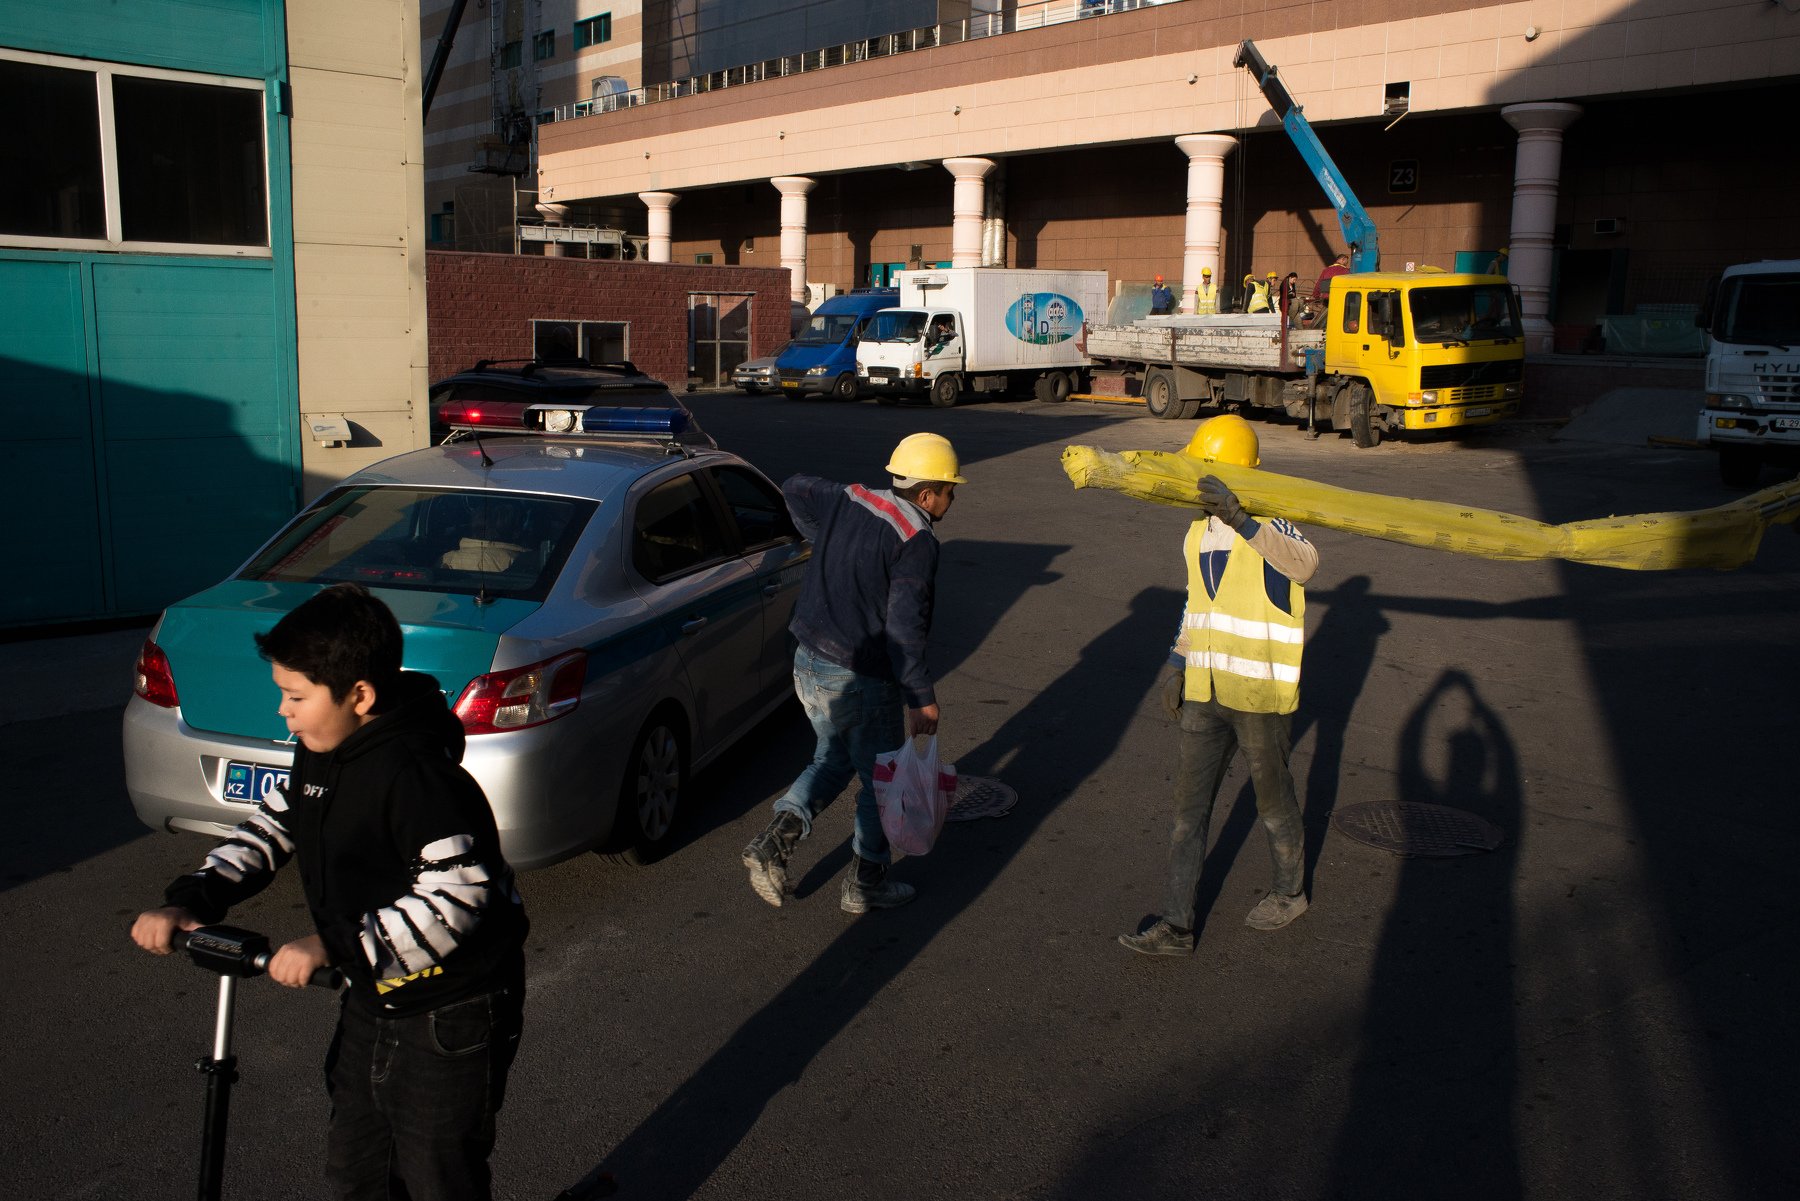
1504	250
926	457
1271	275
1206	270
1227	439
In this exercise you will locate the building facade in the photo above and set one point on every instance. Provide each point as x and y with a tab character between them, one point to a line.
213	280
1599	142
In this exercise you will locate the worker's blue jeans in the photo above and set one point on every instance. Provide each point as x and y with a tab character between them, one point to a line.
855	718
1210	735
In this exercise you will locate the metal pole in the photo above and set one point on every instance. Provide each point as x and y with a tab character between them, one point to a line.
220	1070
441	55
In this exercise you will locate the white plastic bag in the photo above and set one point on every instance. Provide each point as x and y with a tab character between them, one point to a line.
913	792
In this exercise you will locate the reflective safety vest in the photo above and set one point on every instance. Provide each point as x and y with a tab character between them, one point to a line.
1259	297
1206	299
1242	643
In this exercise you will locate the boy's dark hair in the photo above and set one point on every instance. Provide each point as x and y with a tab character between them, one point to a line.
336	638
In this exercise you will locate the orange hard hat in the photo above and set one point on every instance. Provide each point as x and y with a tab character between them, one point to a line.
1159	279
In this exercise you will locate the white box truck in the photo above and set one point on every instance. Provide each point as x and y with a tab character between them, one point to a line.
1751	411
961	330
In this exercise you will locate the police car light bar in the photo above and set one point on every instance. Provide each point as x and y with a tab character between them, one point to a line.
634	420
483	414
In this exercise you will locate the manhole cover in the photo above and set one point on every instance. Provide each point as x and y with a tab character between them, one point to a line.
980	796
1411	828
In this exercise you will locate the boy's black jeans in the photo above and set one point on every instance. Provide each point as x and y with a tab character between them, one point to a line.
413	1099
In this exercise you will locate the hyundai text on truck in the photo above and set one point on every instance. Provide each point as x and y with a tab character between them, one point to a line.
962	330
1751	410
821	360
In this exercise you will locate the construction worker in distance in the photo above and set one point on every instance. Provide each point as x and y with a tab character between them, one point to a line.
861	625
1162	299
1206	296
1497	265
1256	294
1233	681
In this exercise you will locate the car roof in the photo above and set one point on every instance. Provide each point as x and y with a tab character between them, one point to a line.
595	468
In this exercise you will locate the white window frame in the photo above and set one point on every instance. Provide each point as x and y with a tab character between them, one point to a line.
103	73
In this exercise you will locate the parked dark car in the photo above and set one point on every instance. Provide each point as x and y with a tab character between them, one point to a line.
557	392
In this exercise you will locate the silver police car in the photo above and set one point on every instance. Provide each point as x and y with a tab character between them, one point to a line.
606	609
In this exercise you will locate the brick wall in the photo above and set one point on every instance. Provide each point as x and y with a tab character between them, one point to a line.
481	306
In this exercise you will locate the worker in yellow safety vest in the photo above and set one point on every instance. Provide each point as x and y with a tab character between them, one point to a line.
1233	681
1256	295
1206	296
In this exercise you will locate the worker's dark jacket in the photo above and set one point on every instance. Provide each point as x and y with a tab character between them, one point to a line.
399	859
866	602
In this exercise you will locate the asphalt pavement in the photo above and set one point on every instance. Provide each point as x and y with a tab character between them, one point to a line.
1600	1008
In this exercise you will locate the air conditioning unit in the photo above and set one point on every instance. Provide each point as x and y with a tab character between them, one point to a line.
817	294
1609	225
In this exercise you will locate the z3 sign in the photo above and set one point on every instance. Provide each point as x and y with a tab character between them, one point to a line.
1403	175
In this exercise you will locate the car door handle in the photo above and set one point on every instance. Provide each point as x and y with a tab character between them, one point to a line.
771	588
692	625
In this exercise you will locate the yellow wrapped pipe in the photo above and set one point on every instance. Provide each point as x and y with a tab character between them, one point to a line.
1722	537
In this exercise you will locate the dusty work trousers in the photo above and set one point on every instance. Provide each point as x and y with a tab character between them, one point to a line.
1210	735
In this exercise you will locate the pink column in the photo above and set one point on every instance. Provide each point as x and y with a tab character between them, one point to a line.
1537	170
658	225
793	189
1205	206
967	209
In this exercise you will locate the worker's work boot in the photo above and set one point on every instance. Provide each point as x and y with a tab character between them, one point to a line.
1275	911
767	857
867	887
1160	939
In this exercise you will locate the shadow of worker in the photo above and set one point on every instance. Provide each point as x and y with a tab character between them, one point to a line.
1439	1040
1077	721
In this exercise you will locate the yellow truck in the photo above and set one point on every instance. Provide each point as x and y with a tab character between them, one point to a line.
1395	351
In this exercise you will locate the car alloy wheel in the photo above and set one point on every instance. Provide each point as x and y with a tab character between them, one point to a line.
651	795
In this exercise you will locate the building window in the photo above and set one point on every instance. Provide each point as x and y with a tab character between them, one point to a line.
510	55
187	151
595	341
593	31
543	46
703	259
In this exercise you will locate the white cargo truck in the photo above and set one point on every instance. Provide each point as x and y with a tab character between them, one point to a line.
961	330
1751	411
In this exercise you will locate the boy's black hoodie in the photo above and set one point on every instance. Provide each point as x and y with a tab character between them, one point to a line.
399	857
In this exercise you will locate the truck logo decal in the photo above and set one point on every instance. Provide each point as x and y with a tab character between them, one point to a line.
1044	318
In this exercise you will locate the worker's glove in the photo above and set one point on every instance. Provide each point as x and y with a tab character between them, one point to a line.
1171	688
1220	501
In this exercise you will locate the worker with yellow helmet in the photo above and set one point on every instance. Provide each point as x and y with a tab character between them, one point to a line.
1206	296
1233	681
860	626
1256	293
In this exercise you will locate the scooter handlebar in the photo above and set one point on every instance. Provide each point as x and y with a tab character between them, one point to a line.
229	951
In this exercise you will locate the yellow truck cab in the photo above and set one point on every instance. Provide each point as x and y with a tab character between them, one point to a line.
1433	349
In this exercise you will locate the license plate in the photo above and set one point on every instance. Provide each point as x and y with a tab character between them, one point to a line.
1476	412
251	783
1785	423
880	381
790	383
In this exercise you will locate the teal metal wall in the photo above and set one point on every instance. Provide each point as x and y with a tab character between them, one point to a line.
150	401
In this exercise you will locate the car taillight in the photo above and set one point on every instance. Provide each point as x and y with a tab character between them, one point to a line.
523	696
155	682
482	414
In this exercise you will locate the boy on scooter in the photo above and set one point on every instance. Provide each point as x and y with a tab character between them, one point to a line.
410	895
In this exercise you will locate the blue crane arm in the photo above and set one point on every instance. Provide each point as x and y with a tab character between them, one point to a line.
1359	228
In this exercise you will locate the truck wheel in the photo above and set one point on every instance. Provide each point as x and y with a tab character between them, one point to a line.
845	387
945	389
1160	397
1189	409
1054	388
1739	466
1363	430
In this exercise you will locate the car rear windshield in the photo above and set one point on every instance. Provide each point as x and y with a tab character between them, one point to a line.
503	544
